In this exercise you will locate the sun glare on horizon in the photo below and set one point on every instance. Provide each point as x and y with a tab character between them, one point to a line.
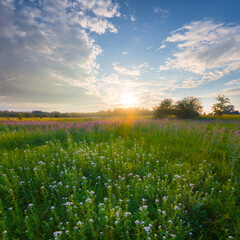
128	100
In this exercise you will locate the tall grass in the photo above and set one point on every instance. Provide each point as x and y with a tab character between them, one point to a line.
120	180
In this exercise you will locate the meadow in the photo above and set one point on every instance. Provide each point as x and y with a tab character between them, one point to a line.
119	179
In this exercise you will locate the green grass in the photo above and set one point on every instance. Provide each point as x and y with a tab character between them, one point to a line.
126	180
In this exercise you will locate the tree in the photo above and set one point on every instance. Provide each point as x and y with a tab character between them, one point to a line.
19	116
55	114
189	107
229	109
219	107
164	109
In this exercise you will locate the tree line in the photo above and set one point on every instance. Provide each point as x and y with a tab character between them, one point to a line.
117	112
191	107
186	108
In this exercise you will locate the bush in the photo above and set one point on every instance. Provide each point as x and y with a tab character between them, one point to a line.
189	107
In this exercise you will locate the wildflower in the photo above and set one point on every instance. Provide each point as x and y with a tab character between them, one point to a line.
145	207
41	162
68	204
4	232
90	220
137	222
52	207
176	207
91	193
57	233
79	223
147	229
127	213
170	221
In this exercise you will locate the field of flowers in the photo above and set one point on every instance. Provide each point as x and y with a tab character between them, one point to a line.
119	179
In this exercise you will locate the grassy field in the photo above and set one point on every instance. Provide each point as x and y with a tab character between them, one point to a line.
119	179
223	117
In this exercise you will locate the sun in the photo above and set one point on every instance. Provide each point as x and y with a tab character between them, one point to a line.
128	100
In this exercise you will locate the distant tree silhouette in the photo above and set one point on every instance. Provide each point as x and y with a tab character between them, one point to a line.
56	114
164	109
189	107
20	116
221	106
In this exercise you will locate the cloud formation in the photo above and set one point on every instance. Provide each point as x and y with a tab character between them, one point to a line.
158	10
46	49
126	71
208	49
233	82
101	8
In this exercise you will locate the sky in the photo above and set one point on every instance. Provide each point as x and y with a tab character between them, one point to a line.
91	55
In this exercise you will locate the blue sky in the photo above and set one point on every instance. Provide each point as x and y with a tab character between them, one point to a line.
90	55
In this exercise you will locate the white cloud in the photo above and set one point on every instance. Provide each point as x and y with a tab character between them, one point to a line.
206	48
47	51
143	65
97	25
133	19
124	53
158	10
101	8
126	71
161	47
134	71
189	83
233	82
234	91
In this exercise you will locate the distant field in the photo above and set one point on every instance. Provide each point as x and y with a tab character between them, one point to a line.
42	119
129	117
119	179
223	117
